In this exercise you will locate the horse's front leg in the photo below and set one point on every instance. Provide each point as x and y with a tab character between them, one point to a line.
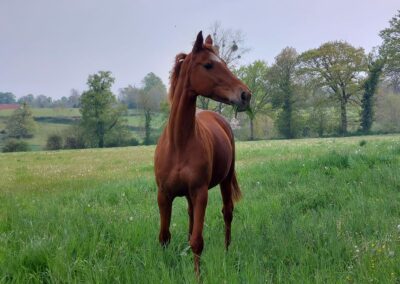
199	198
165	206
190	213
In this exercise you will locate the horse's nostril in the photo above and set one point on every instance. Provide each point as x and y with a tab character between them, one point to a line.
243	96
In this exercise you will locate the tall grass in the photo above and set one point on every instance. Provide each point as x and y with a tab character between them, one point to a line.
314	211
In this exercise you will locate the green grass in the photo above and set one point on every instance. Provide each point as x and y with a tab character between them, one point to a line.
314	211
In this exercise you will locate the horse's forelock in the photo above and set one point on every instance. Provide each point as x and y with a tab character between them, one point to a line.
175	74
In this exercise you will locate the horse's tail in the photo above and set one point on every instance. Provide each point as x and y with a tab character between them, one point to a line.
236	193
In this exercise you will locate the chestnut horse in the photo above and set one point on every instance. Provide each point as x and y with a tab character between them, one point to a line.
196	151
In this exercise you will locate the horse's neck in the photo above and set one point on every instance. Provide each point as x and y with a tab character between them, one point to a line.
182	121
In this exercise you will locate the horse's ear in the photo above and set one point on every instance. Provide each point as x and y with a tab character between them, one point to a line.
209	42
198	45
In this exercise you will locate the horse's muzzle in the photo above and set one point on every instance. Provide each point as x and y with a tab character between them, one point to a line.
244	103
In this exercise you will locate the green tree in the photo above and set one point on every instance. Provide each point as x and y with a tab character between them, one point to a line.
338	66
129	96
150	98
21	123
388	112
74	99
254	76
7	98
391	50
29	99
282	80
41	101
99	108
375	66
318	105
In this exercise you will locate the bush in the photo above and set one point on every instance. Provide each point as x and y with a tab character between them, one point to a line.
120	136
363	143
133	142
54	142
150	141
74	138
14	145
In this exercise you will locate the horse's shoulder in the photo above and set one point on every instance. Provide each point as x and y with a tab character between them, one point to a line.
210	119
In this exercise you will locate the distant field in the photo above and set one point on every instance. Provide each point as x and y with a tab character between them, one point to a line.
55	120
54	112
314	211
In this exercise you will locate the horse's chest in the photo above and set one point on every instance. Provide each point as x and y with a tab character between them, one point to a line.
180	172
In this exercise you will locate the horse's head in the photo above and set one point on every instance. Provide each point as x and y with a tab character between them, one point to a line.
210	76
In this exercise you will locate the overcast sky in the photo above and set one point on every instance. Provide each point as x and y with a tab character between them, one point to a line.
51	46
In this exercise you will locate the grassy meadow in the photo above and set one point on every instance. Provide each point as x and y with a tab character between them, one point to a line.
56	120
313	211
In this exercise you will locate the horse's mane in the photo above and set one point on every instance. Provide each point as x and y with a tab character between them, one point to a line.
175	75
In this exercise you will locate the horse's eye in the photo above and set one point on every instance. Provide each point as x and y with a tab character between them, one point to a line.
208	66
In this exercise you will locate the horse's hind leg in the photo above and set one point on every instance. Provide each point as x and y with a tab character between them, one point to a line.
165	206
227	209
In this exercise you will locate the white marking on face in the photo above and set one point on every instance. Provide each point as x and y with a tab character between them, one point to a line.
215	58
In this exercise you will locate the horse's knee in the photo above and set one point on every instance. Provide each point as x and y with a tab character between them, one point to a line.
197	244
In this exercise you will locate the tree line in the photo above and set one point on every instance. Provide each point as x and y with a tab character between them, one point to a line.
103	121
312	93
299	95
42	101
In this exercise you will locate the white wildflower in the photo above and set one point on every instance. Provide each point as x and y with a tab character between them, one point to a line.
235	124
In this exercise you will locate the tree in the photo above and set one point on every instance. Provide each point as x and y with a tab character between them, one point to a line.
230	46
21	123
339	67
391	50
375	66
388	112
42	101
319	118
99	108
229	43
62	102
29	99
255	77
129	96
7	98
281	77
149	101
74	99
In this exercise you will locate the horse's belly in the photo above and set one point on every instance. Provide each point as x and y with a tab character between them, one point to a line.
221	165
206	161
